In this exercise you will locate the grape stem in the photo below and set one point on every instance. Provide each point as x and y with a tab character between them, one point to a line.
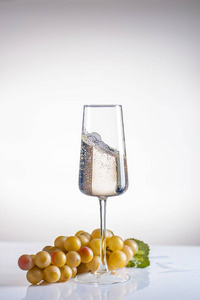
103	268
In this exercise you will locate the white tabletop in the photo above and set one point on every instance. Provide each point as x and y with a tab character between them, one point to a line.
174	274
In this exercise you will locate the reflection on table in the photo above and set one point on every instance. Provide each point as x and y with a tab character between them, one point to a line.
74	291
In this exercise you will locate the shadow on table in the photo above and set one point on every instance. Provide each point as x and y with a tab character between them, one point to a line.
72	290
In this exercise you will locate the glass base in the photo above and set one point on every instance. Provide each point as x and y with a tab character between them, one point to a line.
107	278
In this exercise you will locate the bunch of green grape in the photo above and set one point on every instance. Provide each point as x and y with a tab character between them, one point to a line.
75	255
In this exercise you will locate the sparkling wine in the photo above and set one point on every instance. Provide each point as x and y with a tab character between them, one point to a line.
103	171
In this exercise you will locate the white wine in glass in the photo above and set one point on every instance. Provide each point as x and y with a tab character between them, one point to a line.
103	173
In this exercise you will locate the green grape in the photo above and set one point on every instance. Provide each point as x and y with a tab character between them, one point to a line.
58	258
33	257
73	259
96	234
47	248
110	267
59	243
52	274
82	268
87	235
94	244
133	245
109	234
42	259
117	259
74	272
84	240
94	263
26	262
79	232
128	251
66	273
86	254
84	233
34	275
51	249
115	243
72	243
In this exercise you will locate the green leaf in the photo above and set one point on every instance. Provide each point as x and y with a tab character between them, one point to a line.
141	258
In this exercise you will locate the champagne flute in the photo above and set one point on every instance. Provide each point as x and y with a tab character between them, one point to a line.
103	173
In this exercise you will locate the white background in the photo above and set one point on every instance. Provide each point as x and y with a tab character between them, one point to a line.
56	56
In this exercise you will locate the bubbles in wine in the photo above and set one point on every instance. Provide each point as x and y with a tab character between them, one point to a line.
103	170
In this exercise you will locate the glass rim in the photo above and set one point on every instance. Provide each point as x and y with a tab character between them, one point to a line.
102	105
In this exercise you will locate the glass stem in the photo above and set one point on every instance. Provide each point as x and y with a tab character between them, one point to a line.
103	268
